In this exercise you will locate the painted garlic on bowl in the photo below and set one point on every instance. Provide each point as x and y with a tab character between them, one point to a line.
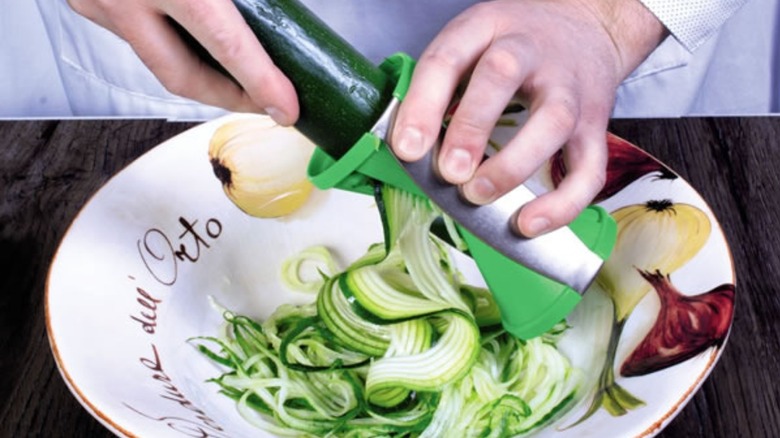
261	165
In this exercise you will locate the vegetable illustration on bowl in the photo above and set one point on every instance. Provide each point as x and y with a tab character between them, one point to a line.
686	326
658	236
627	163
261	165
654	239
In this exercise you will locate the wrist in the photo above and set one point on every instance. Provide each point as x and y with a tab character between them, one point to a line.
633	29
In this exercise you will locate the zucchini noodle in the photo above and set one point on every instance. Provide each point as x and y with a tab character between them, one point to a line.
396	344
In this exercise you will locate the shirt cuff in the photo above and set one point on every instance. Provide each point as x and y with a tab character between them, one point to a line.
692	22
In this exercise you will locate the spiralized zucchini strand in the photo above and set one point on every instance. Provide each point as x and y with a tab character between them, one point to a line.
395	345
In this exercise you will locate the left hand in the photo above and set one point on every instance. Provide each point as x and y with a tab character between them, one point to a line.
564	59
219	27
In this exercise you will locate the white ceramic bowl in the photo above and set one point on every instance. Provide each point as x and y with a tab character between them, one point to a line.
121	304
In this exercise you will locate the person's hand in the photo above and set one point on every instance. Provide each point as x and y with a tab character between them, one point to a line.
564	59
219	27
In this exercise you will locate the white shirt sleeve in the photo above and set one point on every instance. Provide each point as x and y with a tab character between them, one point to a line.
693	21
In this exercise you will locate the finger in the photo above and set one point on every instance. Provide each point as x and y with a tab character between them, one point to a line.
176	66
586	157
494	81
553	118
219	27
439	70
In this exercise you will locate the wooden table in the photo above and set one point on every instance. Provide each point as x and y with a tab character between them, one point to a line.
48	170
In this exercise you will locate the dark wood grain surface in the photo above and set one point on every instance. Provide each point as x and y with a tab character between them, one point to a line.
49	169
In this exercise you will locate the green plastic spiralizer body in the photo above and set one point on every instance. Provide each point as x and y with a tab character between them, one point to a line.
347	108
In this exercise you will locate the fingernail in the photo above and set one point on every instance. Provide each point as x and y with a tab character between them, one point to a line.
458	166
480	191
537	226
410	143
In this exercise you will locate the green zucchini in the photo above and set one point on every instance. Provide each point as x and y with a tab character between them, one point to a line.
341	93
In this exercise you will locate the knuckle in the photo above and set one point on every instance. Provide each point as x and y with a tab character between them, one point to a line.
224	42
506	174
196	11
563	115
599	179
171	78
502	64
466	130
174	83
226	45
569	208
571	203
442	56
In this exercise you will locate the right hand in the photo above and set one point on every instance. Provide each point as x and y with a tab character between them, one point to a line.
221	30
563	59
